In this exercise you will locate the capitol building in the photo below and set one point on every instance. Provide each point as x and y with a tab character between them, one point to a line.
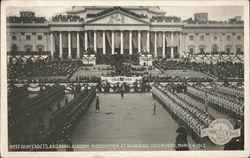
122	30
95	78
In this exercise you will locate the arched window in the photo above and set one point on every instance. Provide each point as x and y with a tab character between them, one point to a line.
239	49
215	49
191	49
202	49
40	48
14	48
215	38
228	49
28	48
13	37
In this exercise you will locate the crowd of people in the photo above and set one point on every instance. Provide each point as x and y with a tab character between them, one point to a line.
23	19
219	101
235	92
184	113
136	87
41	67
66	18
223	70
165	18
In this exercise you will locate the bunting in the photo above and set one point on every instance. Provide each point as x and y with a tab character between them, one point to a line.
117	39
99	39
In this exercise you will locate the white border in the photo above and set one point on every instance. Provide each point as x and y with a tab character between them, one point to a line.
4	151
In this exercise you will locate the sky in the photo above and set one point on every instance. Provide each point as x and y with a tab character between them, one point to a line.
220	13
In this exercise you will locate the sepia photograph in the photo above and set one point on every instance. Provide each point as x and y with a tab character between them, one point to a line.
133	77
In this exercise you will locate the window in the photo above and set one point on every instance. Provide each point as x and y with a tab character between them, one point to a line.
191	50
202	50
228	50
28	37
191	38
215	48
238	50
202	38
40	49
28	49
215	38
228	37
238	37
14	48
39	37
13	37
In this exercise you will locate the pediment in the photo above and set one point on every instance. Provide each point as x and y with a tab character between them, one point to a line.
117	17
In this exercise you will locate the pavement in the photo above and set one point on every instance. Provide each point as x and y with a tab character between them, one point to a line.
127	124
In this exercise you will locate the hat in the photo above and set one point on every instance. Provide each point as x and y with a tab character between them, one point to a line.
182	130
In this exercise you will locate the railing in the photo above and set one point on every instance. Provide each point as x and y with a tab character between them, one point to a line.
13	53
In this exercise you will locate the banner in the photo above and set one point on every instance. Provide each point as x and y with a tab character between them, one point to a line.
121	79
89	60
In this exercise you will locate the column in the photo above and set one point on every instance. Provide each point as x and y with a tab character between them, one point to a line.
130	42
47	42
34	43
155	44
95	49
148	41
184	42
207	46
196	43
172	42
69	45
233	45
103	42
112	42
163	44
139	41
180	45
86	40
121	42
23	39
60	43
78	45
51	45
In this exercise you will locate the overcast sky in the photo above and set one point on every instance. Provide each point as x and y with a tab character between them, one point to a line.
214	13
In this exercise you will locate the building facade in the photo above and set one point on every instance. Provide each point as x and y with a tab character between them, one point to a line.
124	30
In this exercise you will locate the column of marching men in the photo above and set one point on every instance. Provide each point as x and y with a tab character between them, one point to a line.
232	91
63	120
183	112
219	101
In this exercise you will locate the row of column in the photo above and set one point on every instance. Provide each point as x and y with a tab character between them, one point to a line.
112	43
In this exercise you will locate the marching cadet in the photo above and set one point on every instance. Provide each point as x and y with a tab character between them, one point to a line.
122	91
66	101
154	107
97	104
